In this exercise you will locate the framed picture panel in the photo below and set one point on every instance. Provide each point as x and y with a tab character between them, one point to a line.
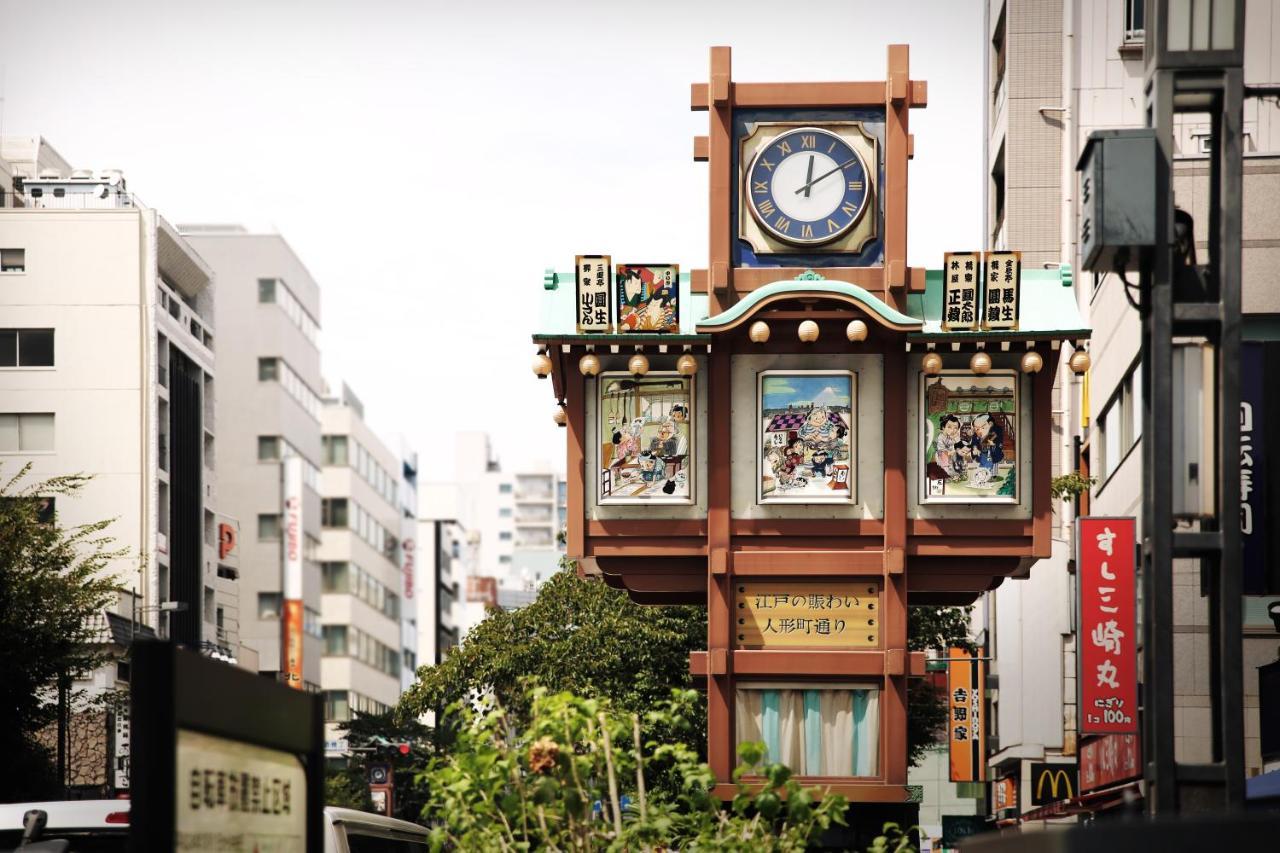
805	448
646	447
969	437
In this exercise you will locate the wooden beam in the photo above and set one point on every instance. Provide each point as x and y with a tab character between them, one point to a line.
916	280
964	527
575	472
897	106
854	792
811	662
815	95
746	279
648	527
894	730
720	694
721	179
700	149
654	547
808	563
975	546
699	101
1042	461
698	281
919	94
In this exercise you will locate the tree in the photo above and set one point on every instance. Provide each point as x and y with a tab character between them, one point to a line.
52	581
579	636
377	739
936	628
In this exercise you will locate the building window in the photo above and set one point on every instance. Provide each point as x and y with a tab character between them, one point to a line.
266	290
335	449
26	347
504	560
333	512
268	369
268	448
268	605
337	706
335	577
504	536
1134	21
998	46
268	527
13	260
504	512
26	432
335	640
1120	424
815	729
311	623
504	488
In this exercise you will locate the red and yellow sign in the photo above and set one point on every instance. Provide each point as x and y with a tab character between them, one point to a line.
807	614
1106	557
966	716
291	625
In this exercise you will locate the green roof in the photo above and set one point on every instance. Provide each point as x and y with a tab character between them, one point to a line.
1047	308
810	285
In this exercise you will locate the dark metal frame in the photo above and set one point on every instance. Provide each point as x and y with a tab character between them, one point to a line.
175	688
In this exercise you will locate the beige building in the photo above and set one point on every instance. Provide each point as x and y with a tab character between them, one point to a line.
107	368
269	406
1058	70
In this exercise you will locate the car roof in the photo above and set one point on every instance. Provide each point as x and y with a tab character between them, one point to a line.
353	816
67	814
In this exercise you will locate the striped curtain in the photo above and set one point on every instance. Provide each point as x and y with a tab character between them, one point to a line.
815	732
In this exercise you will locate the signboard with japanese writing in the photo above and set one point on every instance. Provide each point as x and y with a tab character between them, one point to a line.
1000	293
966	715
594	274
1006	793
1052	782
1109	759
1255	359
1105	560
961	276
648	298
291	625
807	614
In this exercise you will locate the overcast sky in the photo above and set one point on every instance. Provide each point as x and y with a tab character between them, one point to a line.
429	160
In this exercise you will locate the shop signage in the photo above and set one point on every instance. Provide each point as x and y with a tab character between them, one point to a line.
1109	759
595	279
961	280
648	297
1000	294
227	537
966	716
407	549
1105	559
1253	466
291	624
1006	793
807	614
1053	782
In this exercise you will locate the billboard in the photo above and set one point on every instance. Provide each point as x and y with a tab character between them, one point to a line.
966	716
1106	556
291	623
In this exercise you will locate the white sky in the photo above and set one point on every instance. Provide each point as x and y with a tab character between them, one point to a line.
428	160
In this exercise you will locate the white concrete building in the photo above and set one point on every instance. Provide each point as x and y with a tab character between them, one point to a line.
361	573
268	305
107	368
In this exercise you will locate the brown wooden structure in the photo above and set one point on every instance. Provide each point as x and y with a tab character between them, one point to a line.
915	553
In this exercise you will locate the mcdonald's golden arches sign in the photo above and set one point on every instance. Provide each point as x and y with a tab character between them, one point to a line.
1053	782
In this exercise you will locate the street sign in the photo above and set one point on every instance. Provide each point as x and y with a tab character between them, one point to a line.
966	716
1106	561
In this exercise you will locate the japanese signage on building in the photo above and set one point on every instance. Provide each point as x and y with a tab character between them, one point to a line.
1253	467
807	614
648	298
1000	295
237	796
1105	560
966	715
1052	782
961	279
1109	759
291	623
1006	793
594	274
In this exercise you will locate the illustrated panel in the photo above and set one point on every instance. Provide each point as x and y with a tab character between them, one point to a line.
969	438
645	440
807	433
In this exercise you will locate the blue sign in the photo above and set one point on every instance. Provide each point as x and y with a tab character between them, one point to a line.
1253	464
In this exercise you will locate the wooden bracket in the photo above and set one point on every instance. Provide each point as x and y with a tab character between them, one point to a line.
895	274
698	281
919	93
899	76
916	279
895	662
698	102
911	146
720	70
720	276
894	561
719	561
701	149
718	662
917	663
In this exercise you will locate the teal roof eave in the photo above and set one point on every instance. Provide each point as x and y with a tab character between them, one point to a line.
889	315
630	338
1047	310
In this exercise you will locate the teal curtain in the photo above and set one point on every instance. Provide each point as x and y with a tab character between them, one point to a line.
812	734
769	724
862	734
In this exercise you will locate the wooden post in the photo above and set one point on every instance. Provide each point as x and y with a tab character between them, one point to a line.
720	167
575	469
894	714
720	736
897	104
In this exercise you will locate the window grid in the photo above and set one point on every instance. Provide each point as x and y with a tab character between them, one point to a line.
350	641
277	291
278	370
350	579
26	347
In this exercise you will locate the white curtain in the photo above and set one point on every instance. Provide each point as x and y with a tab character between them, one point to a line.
816	731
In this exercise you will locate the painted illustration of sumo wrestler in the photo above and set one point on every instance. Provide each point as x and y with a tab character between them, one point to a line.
806	437
969	438
646	438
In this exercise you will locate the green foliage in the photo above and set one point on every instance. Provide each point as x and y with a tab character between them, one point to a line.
374	739
578	636
937	629
52	580
894	839
346	789
1068	487
572	777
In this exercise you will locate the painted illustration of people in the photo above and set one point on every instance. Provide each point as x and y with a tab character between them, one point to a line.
944	447
822	429
680	414
626	444
649	468
671	445
988	443
820	463
795	454
782	472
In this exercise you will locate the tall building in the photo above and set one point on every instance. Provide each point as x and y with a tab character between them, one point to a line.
1059	70
362	519
443	566
269	406
107	368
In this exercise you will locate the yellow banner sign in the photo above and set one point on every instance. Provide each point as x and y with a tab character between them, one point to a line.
807	614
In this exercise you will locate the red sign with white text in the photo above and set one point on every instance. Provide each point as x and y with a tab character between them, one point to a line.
1106	569
1109	759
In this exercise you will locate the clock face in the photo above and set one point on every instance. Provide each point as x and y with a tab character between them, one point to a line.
807	186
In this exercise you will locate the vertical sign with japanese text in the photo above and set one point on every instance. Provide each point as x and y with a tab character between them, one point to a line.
961	274
966	718
594	274
1000	295
291	623
1253	466
1105	560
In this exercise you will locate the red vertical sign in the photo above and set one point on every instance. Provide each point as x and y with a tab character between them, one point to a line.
1106	561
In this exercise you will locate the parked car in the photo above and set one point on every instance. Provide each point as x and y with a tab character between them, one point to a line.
102	826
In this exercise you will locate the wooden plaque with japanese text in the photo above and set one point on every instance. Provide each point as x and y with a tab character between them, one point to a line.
807	614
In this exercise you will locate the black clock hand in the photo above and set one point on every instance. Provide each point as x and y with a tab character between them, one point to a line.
809	177
805	188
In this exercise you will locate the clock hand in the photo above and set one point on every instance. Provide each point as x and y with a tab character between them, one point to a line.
805	188
809	177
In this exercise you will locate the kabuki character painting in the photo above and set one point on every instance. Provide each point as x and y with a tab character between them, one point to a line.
806	436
